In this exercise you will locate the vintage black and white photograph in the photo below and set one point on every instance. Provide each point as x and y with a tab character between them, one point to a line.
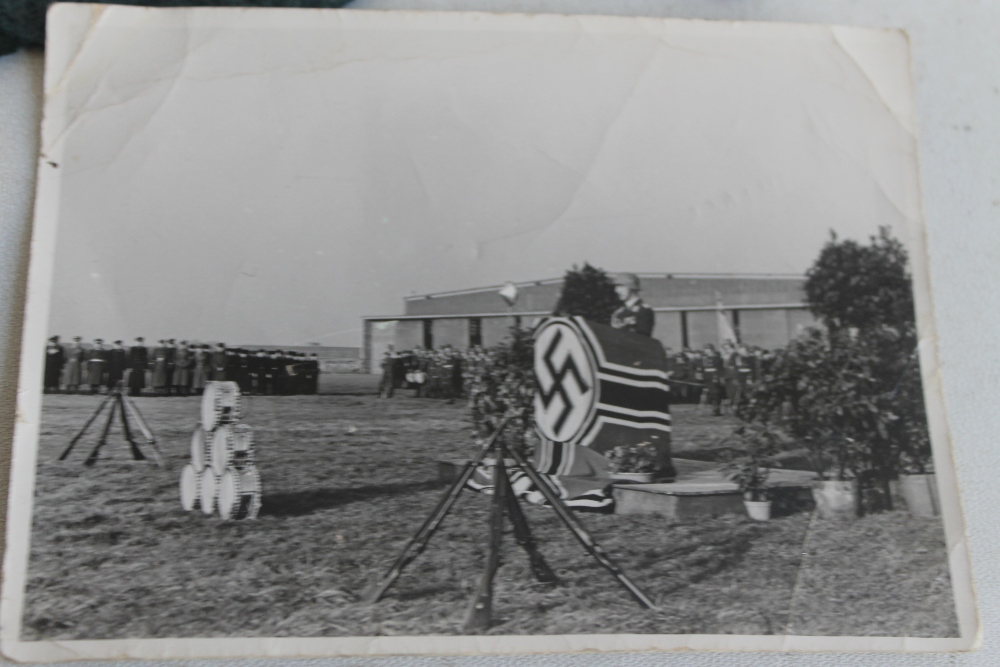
415	332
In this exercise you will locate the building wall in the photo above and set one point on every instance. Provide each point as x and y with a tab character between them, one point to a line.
768	328
409	334
531	298
657	292
496	329
764	328
454	332
668	330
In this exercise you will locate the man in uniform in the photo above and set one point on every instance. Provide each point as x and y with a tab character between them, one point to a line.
55	359
97	362
313	387
712	368
387	384
633	316
138	360
116	365
218	363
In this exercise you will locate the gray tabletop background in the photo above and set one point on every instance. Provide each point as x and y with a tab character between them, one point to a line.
956	55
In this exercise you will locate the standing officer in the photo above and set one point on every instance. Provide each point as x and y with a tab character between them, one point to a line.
138	361
55	359
96	363
116	365
633	316
181	377
218	362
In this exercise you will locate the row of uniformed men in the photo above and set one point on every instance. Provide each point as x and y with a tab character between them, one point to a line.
176	368
714	375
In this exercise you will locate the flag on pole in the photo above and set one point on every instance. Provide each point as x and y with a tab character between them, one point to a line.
509	293
725	327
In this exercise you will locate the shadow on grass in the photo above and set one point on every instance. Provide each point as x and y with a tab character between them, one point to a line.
300	503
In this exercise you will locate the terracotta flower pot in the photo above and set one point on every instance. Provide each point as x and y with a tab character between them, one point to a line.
920	493
758	510
836	500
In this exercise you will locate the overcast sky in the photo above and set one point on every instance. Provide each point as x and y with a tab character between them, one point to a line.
231	182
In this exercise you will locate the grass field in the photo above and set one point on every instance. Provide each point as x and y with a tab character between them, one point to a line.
348	478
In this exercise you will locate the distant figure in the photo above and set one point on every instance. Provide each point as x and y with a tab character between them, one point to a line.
387	384
218	363
74	366
181	379
138	361
161	376
55	359
117	363
96	364
199	370
712	369
633	316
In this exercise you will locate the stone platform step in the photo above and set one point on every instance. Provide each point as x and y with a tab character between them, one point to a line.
700	490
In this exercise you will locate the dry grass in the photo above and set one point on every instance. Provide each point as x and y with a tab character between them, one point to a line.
347	479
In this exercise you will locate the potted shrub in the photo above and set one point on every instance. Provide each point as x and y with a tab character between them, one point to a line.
837	497
636	463
753	447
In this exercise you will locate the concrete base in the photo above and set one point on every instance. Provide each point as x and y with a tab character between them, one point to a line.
678	500
701	490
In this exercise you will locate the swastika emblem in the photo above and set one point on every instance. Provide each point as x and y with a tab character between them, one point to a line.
567	387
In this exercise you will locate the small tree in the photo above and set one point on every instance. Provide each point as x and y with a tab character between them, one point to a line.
502	384
588	292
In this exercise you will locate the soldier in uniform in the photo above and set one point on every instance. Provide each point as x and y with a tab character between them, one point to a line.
55	359
279	373
161	378
313	387
138	361
117	363
387	384
96	365
199	368
183	361
257	369
633	315
74	366
243	370
712	368
171	348
218	363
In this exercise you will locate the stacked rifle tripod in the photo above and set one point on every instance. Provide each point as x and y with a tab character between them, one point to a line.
504	502
123	406
222	475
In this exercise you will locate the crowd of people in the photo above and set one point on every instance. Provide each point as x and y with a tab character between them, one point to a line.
440	373
173	368
715	377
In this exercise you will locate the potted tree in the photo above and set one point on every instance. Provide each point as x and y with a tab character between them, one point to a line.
636	463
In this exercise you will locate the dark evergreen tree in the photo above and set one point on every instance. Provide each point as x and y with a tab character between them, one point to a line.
861	286
588	292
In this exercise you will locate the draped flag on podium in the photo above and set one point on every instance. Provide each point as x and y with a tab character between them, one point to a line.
598	388
581	476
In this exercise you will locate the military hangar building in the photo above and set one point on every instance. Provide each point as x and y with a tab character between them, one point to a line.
763	309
